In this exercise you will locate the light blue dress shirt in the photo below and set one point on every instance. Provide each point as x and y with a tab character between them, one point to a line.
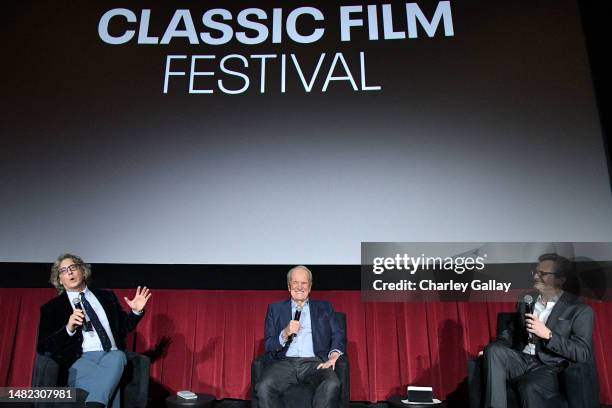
301	346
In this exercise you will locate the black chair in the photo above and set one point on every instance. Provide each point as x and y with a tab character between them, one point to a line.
134	382
300	395
578	383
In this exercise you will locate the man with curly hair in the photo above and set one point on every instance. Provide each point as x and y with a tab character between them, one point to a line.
84	330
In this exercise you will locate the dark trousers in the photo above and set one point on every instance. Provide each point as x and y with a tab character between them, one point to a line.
536	381
279	375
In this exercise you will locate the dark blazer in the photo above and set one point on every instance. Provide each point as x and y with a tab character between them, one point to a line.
571	322
327	335
54	340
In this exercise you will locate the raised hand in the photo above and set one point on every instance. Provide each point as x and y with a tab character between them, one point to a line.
140	299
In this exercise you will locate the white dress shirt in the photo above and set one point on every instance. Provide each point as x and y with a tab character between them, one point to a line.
91	341
542	312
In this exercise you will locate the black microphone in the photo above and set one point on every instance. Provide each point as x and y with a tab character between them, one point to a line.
528	300
77	305
529	306
298	313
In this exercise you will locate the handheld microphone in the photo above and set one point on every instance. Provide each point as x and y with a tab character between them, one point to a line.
528	300
77	305
298	313
529	305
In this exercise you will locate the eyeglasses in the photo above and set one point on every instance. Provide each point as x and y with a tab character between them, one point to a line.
542	274
70	268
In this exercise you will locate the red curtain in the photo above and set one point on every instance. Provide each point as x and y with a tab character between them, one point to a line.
214	335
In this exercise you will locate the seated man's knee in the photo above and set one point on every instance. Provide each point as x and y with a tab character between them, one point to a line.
265	386
526	387
331	383
494	350
529	386
114	360
117	355
529	390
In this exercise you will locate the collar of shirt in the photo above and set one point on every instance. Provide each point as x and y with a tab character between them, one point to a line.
74	295
552	300
294	306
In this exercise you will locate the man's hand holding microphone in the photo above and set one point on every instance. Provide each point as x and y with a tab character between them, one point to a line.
75	320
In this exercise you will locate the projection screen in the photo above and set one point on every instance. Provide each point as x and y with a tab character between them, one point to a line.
270	132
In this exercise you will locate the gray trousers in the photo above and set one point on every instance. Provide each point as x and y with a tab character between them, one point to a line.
279	375
98	373
536	381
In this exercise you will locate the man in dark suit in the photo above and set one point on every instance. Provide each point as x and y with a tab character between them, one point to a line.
304	350
84	330
559	331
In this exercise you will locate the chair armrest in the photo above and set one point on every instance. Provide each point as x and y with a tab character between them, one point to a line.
581	384
257	366
135	380
45	372
343	372
475	382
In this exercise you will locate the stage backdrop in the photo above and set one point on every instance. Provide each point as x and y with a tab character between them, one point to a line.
214	335
273	132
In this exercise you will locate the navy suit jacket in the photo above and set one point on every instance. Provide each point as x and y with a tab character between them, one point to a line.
53	339
326	333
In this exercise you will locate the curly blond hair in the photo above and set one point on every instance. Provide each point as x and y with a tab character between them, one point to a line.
54	278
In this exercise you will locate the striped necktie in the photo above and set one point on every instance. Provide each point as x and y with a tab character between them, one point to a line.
106	343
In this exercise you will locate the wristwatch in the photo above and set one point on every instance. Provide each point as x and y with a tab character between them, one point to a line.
549	334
